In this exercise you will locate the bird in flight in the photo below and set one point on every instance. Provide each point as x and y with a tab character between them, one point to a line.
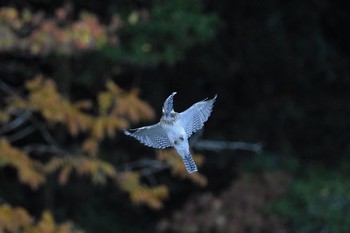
174	129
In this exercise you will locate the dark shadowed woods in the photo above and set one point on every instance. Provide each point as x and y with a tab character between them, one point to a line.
273	156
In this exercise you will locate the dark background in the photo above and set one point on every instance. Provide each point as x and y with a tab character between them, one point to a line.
281	73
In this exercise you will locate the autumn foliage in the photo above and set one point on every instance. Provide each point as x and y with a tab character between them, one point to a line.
14	219
116	109
46	135
57	34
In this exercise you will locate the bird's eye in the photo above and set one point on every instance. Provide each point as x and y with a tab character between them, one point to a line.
172	115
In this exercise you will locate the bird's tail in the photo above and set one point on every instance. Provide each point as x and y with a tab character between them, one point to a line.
190	164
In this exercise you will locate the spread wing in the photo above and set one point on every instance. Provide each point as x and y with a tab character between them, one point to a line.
153	136
194	117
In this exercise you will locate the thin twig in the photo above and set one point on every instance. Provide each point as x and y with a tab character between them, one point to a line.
44	131
151	179
21	134
151	170
139	163
7	88
145	166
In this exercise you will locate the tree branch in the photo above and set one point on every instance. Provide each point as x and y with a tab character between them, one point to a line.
7	88
18	121
145	167
42	149
21	134
44	131
227	145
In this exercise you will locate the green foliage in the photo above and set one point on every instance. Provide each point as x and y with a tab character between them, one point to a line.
318	201
317	198
270	162
163	33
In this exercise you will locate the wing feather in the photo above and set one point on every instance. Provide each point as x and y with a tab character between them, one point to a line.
153	136
194	117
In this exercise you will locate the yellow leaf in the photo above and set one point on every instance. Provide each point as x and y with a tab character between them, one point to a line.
83	104
53	165
46	223
13	219
15	103
9	13
64	175
111	124
129	181
105	101
198	179
99	128
29	171
150	196
131	106
90	146
113	88
178	168
35	83
139	193
4	117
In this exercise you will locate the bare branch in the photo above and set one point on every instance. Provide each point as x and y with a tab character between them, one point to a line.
140	163
145	167
21	134
227	145
147	171
42	149
151	179
44	131
7	88
18	121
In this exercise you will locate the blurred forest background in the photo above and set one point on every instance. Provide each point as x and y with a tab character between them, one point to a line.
74	74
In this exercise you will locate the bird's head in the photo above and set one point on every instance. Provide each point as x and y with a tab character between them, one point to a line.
168	108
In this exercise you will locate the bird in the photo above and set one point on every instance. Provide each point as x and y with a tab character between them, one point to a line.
175	128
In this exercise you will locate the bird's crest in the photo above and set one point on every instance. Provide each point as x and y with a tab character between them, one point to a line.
168	104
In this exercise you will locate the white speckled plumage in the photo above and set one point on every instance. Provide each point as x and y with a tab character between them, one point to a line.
174	129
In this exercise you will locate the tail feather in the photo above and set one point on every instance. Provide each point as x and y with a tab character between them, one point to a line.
190	164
